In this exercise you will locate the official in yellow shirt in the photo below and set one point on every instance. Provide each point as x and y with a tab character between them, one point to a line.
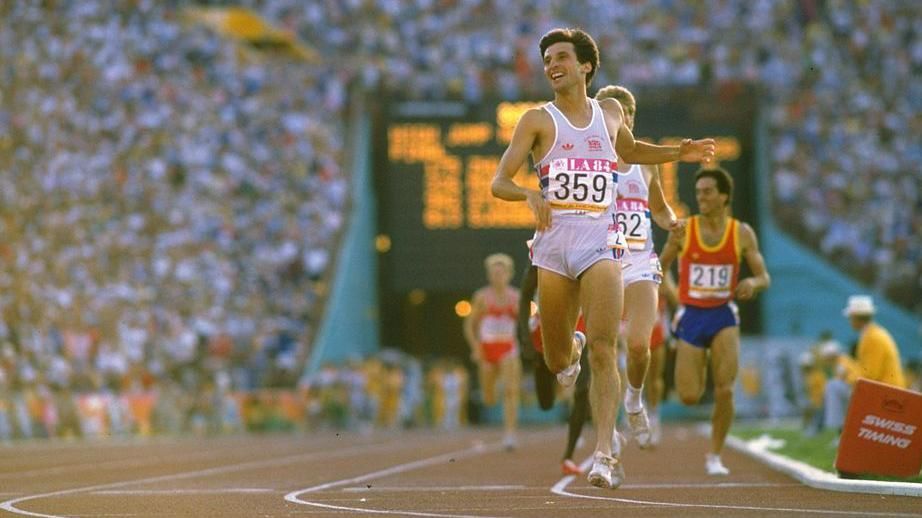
877	354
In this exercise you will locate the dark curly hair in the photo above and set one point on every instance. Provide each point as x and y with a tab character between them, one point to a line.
586	49
721	176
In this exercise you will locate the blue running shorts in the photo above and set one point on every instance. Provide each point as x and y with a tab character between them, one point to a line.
698	326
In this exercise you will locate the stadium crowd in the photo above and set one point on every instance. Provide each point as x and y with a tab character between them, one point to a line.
171	209
837	76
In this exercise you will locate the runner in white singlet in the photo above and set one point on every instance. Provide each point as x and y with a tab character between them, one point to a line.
574	201
640	200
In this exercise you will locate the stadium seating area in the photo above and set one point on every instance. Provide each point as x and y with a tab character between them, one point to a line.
170	207
836	77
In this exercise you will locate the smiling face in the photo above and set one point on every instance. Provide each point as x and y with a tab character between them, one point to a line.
562	68
710	200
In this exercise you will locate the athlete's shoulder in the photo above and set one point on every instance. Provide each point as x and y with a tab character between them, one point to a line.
611	107
609	103
746	235
535	115
744	229
536	119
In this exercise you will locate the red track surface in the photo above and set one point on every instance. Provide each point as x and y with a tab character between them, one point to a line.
417	473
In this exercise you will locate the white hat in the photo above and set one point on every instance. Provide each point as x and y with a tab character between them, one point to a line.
859	305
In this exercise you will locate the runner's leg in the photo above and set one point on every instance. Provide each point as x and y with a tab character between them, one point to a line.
601	297
724	367
558	304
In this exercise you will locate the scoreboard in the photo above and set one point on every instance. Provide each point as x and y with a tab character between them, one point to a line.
457	159
435	161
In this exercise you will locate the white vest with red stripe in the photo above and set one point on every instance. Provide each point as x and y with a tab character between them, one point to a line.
577	175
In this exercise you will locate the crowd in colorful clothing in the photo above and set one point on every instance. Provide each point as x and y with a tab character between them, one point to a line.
389	390
171	209
836	79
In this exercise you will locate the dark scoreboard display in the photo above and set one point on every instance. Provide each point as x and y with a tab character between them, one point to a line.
434	162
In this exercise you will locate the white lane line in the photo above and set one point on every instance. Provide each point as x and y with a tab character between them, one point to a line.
10	505
172	492
420	489
560	488
295	496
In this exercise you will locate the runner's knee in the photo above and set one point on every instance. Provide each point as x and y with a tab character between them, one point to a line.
637	346
723	392
602	354
689	395
556	362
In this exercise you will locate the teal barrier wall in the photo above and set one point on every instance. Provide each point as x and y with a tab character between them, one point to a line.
807	293
350	325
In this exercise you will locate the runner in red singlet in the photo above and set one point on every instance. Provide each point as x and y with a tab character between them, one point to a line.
490	331
707	323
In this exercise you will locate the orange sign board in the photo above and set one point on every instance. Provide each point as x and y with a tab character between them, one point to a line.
883	431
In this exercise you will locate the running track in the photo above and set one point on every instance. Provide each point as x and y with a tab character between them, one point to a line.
414	473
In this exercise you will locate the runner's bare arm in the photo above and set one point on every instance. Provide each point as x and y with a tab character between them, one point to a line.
503	187
669	291
635	152
749	287
660	211
672	248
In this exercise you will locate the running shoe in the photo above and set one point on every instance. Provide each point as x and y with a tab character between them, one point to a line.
607	471
714	467
639	424
567	377
568	467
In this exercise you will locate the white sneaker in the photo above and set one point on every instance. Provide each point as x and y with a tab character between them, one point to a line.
567	377
639	424
510	442
714	467
607	472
